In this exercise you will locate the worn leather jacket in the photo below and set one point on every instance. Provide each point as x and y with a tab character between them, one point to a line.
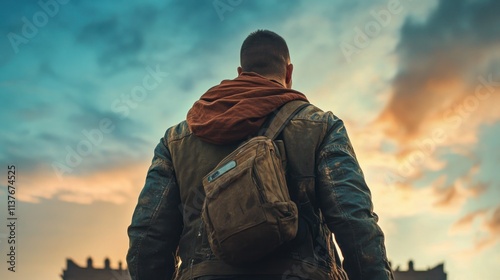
168	238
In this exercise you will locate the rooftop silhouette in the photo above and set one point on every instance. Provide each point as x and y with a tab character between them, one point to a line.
76	272
435	273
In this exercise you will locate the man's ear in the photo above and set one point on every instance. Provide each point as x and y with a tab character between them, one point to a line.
288	76
239	70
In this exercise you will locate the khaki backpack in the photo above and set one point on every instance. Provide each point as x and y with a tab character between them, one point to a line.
247	211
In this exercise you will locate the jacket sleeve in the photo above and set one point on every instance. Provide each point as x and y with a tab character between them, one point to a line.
156	222
346	204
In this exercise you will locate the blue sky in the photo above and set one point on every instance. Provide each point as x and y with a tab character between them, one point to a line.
87	90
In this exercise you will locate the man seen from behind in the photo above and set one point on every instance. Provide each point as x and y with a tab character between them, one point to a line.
167	237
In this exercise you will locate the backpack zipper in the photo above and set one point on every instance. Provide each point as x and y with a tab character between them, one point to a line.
258	183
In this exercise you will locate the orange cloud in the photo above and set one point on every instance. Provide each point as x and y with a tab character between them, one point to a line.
447	76
454	196
115	184
465	223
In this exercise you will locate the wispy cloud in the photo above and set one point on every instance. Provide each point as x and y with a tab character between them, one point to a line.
465	223
484	224
115	184
439	64
454	196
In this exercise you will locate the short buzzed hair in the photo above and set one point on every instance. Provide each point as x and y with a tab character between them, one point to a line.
266	53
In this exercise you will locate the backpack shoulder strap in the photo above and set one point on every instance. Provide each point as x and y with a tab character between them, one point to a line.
283	116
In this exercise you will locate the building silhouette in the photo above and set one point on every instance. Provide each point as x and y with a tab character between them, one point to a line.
435	273
76	272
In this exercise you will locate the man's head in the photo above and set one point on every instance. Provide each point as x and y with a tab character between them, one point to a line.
266	53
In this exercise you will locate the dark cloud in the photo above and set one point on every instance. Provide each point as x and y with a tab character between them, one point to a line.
446	51
46	135
119	44
125	141
68	84
126	130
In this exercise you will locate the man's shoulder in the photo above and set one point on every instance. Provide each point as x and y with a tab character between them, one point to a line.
177	132
313	113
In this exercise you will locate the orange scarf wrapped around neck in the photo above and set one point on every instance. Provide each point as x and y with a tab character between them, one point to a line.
236	109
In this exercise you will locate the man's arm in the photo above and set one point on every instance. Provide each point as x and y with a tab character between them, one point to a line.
156	223
346	203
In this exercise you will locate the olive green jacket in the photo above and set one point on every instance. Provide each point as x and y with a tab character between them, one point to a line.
168	238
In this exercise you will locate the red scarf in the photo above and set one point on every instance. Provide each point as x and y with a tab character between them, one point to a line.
236	109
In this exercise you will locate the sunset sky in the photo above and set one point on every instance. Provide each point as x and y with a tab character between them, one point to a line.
88	88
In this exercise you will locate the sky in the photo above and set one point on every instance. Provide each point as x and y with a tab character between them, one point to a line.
88	88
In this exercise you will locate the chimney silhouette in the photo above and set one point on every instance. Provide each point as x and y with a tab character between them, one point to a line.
107	263
89	262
